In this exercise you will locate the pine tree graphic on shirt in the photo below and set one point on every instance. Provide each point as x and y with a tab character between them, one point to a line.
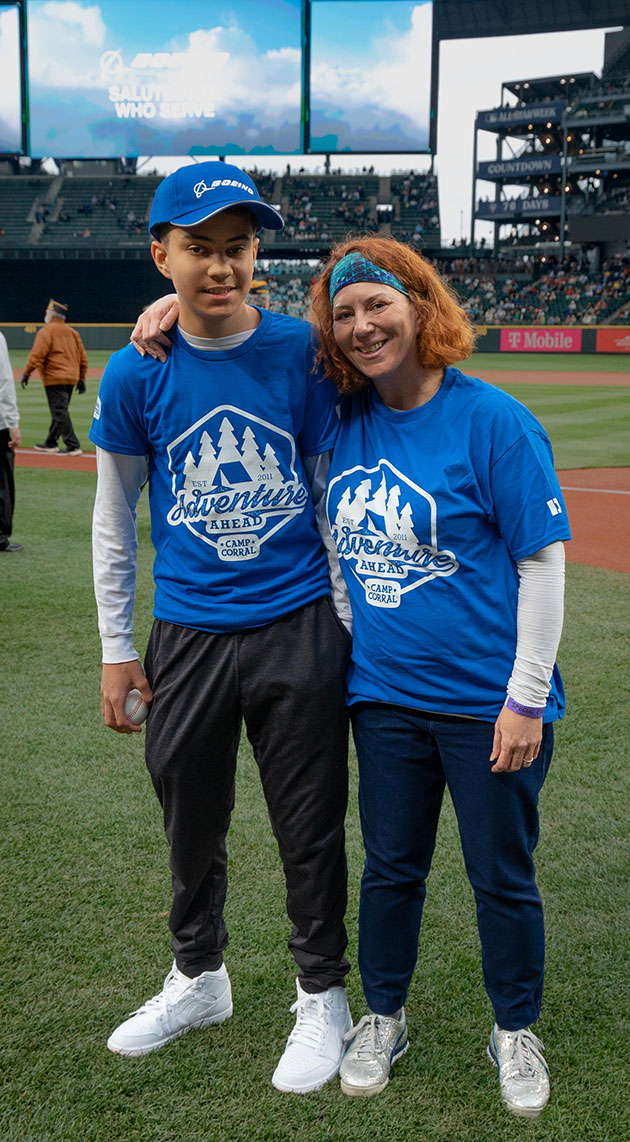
378	513
252	459
231	463
235	482
386	530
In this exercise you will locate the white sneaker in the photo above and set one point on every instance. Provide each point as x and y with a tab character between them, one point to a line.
182	1005
315	1046
523	1072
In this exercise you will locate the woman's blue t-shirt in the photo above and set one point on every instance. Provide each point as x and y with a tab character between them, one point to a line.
430	510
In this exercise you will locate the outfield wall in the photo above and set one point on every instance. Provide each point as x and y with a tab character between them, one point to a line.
490	338
553	339
20	335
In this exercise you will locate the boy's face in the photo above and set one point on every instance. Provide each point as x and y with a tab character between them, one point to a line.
211	266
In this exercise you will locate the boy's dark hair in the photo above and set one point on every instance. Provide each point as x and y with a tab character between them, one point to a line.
162	230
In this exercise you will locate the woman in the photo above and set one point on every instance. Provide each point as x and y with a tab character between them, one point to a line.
449	522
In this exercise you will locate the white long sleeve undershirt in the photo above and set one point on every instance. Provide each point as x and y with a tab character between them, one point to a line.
317	472
115	550
539	617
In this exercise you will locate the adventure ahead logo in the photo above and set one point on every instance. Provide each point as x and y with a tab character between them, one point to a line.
385	528
234	482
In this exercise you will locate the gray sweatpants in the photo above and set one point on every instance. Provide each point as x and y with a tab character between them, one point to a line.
286	681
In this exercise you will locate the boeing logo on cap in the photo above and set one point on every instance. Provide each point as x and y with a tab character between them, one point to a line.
177	198
201	188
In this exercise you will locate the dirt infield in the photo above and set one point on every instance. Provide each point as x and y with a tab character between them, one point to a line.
495	376
598	503
29	458
522	377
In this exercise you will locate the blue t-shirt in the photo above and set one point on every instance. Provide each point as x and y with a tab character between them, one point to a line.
430	509
232	518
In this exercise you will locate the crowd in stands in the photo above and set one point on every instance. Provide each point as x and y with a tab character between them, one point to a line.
510	288
289	285
566	295
321	209
417	212
606	94
301	223
495	292
604	89
616	200
89	209
469	265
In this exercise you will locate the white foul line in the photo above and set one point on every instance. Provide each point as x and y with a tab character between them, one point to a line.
605	491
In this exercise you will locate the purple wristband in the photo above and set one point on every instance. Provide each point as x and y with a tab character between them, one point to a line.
526	711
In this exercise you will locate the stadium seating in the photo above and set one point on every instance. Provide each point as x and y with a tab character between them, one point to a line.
323	208
566	295
20	198
416	216
101	212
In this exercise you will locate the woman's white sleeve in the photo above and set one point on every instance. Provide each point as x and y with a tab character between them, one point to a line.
539	624
114	549
317	472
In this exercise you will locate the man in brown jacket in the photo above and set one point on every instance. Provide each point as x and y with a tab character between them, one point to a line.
59	356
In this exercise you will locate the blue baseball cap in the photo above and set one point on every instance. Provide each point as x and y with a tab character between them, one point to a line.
199	191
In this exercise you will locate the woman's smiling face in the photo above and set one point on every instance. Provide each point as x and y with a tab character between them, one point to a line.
375	327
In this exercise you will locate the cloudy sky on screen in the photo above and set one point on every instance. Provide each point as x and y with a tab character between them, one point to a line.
370	75
241	58
10	117
370	67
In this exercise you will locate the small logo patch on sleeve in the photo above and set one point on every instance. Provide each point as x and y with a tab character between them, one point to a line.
554	507
97	409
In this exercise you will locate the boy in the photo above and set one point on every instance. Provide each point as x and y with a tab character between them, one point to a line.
244	625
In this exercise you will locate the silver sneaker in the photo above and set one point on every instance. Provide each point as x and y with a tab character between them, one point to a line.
375	1044
182	1005
523	1072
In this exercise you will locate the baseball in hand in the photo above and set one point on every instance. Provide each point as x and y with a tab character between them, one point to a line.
136	708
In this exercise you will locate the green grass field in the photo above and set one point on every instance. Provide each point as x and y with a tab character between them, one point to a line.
86	893
589	425
552	362
85	890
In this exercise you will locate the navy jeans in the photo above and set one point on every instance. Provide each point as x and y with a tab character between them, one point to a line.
405	760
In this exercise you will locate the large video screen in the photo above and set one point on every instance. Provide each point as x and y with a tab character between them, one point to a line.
370	77
164	77
10	81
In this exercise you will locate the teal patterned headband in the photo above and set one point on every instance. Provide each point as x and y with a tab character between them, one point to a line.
355	268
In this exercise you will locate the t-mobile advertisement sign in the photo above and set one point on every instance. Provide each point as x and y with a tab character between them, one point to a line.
541	340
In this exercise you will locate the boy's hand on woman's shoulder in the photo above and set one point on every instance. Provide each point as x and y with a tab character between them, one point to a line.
149	333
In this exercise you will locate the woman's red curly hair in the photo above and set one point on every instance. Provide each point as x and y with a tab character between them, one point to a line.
445	335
